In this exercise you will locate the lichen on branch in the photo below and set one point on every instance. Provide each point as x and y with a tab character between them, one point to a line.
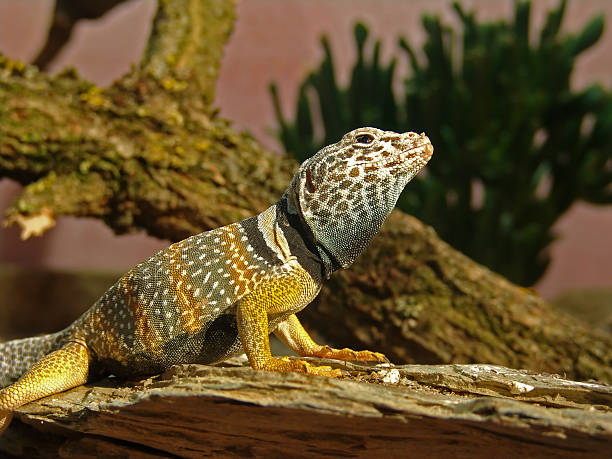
147	152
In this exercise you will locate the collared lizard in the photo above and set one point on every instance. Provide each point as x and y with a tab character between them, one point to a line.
222	292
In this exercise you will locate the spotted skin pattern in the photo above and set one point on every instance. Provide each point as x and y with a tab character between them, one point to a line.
222	292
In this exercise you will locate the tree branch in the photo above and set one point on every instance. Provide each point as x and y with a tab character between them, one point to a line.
65	16
145	153
184	49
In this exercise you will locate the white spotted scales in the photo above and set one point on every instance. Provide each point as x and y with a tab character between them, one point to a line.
222	292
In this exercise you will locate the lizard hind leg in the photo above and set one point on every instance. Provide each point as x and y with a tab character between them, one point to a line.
60	370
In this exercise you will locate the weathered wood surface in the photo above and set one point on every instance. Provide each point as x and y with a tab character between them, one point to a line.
151	153
404	411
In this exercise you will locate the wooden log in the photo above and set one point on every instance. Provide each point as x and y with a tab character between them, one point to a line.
411	410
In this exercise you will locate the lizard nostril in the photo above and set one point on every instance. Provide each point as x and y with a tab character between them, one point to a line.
309	185
428	150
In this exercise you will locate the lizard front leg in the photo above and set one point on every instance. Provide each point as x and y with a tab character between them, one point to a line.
292	333
63	369
252	320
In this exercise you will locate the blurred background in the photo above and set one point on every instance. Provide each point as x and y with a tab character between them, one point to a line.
279	41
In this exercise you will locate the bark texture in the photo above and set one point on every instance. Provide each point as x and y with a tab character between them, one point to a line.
420	411
151	153
148	152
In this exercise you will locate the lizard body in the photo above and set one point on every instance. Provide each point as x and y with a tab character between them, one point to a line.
222	292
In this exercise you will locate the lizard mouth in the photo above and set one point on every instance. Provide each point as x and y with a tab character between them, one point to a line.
423	150
420	154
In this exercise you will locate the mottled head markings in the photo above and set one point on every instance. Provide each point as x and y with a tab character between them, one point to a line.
345	191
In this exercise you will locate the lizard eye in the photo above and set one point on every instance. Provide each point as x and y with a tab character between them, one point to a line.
364	138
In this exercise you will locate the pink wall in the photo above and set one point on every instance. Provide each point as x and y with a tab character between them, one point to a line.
278	40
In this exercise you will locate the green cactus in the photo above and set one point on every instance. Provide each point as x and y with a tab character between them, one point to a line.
515	146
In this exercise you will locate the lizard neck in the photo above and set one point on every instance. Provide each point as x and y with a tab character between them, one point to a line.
297	231
340	235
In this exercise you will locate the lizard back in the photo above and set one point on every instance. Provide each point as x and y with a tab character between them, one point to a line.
179	305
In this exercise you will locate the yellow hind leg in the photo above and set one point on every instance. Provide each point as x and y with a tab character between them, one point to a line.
61	370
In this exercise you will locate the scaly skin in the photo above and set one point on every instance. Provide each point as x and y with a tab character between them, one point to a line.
223	292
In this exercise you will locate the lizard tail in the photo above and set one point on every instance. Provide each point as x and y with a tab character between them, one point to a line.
17	356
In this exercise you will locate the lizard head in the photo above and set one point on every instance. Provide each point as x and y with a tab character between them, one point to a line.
346	191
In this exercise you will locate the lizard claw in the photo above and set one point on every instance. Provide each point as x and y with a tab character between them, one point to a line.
327	352
374	356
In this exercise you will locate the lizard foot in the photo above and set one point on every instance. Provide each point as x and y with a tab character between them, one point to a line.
327	352
300	366
5	420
